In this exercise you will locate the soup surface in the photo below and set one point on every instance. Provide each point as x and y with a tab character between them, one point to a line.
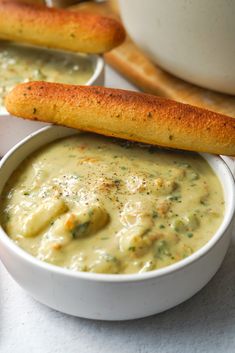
24	63
95	204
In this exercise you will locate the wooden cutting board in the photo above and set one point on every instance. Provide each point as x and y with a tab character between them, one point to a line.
132	63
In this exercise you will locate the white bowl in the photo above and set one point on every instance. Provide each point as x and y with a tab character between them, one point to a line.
194	40
113	297
13	130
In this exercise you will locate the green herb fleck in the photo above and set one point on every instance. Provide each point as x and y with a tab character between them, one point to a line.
110	258
179	226
80	230
162	249
154	214
174	198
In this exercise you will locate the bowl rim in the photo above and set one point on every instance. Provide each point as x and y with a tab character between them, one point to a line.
98	63
98	67
135	277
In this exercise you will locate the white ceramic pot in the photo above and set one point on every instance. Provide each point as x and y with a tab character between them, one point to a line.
113	297
192	39
13	130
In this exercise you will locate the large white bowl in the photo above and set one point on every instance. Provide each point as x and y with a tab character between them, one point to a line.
113	297
13	130
192	39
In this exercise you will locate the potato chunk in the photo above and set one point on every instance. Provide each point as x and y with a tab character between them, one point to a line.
135	213
135	237
42	216
53	242
136	183
86	221
164	187
188	223
105	263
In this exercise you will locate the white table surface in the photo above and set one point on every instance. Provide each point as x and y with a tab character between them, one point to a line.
205	323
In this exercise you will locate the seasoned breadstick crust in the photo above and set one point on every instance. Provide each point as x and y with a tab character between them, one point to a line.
125	114
59	29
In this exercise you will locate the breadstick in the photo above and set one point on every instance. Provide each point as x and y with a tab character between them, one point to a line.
125	114
58	28
27	1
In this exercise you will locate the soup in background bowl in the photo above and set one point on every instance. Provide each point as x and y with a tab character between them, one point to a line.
22	63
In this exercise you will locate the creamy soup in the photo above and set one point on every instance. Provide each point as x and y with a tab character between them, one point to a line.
24	63
94	204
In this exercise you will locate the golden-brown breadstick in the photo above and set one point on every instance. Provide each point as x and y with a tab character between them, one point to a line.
27	1
59	29
125	114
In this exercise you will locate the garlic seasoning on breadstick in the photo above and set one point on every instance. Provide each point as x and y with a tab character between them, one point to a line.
58	28
125	114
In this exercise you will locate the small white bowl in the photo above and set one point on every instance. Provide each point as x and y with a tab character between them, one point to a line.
13	130
113	297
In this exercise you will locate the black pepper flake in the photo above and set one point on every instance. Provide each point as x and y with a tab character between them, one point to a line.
149	115
34	110
171	137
